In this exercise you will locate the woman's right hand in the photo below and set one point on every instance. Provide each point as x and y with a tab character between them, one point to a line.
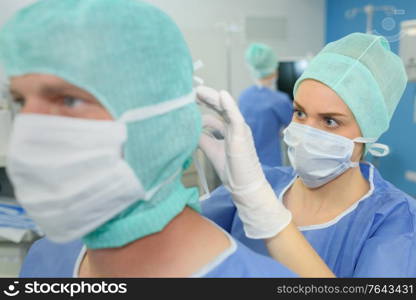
236	163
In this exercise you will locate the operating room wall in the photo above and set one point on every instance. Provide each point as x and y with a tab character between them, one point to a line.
202	23
401	136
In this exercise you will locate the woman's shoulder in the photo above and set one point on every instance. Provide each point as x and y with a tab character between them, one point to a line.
244	262
392	206
390	247
390	195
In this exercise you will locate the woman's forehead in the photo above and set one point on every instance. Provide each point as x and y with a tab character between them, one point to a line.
316	96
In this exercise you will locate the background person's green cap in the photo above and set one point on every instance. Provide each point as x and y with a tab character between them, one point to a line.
366	74
261	59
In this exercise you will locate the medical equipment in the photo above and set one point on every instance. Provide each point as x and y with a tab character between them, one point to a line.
408	48
369	11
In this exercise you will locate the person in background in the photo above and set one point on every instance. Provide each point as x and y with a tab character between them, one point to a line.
266	110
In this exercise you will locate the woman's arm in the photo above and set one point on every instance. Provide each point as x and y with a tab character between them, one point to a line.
291	249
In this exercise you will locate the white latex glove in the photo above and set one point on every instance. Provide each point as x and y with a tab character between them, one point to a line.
235	161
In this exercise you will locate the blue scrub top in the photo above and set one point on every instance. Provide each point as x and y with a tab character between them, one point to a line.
375	237
48	259
267	112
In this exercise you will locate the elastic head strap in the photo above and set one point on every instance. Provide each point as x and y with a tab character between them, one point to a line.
151	111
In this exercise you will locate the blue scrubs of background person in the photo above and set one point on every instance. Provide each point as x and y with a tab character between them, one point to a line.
266	110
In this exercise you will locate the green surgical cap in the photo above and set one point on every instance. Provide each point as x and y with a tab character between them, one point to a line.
261	60
368	77
128	54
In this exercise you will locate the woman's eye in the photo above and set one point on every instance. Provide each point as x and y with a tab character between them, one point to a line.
73	102
331	123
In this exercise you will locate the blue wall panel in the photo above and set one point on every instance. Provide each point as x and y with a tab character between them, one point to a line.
401	136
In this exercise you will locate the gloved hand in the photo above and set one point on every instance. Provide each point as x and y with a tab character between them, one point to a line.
236	163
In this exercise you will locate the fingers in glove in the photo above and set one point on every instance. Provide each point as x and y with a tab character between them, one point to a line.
210	98
237	128
230	107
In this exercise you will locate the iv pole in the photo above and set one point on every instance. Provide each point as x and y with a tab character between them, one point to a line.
369	10
230	29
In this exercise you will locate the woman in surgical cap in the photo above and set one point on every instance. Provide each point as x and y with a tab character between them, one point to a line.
359	224
107	126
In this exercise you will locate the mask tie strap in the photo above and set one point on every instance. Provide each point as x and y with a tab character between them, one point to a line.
198	65
379	150
154	190
376	149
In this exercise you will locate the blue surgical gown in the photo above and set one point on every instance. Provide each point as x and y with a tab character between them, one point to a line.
267	112
375	237
48	259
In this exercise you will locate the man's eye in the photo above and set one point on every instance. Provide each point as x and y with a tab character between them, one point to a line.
299	114
19	101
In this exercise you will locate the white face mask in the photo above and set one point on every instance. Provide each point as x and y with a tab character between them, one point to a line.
69	174
319	156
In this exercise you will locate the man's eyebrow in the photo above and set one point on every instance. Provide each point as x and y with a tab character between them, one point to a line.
57	89
53	90
14	92
298	105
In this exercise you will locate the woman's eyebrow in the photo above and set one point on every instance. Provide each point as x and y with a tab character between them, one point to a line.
331	114
324	114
